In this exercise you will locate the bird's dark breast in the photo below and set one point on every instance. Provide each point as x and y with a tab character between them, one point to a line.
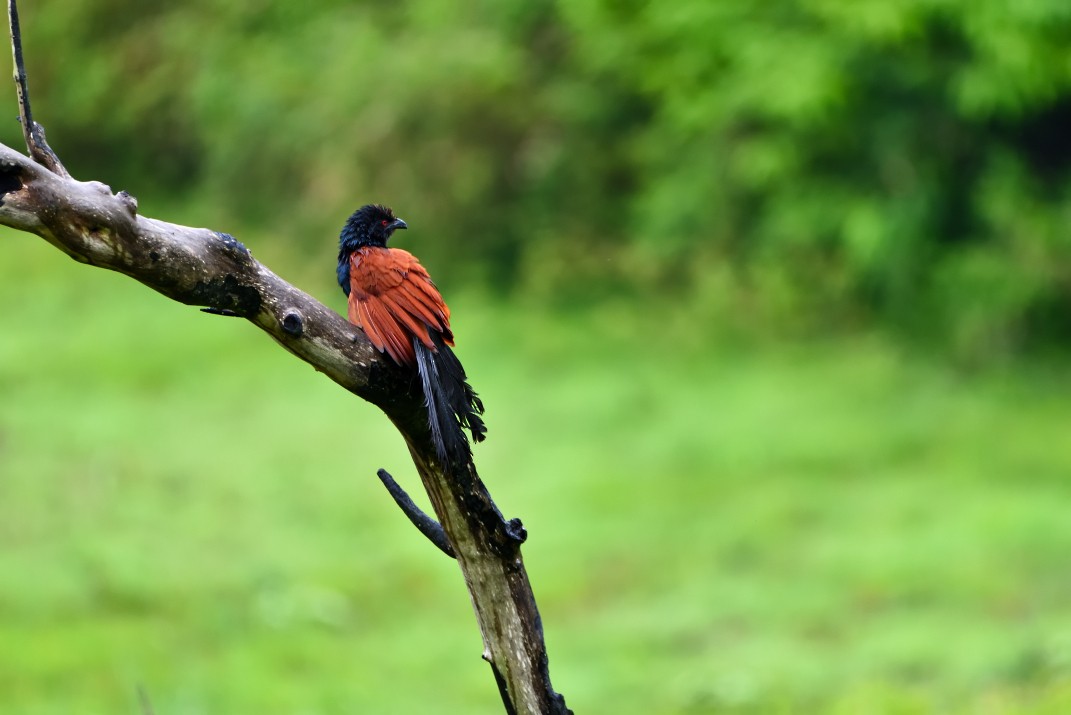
343	273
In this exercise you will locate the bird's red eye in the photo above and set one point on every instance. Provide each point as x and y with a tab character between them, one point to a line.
384	222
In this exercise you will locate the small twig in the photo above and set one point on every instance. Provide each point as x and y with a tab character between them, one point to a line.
503	688
34	133
427	526
25	115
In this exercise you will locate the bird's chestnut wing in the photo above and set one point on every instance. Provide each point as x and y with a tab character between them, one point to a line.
393	300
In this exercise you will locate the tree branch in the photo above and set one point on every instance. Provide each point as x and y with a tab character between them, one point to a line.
205	268
31	130
424	523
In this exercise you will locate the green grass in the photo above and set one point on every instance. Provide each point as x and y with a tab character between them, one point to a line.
832	528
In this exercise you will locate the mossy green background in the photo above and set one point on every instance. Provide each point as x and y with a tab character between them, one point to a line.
768	307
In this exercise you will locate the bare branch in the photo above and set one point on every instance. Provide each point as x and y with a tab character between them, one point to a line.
34	132
427	526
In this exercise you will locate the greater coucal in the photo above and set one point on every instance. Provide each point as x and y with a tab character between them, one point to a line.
392	298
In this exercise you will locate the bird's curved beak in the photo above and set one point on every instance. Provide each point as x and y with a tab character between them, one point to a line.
398	223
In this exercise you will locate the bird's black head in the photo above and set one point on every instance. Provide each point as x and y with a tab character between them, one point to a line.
369	225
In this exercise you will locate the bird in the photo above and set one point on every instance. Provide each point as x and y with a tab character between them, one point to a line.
391	297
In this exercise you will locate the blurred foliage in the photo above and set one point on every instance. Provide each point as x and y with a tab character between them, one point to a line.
804	164
843	527
831	529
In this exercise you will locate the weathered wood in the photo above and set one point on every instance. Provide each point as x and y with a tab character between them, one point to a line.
200	267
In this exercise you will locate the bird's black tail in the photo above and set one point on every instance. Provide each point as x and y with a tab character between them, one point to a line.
452	404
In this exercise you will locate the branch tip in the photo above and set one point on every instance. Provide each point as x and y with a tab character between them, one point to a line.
427	526
34	133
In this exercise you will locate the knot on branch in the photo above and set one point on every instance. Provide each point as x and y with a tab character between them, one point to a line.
10	178
129	202
233	246
293	323
515	530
